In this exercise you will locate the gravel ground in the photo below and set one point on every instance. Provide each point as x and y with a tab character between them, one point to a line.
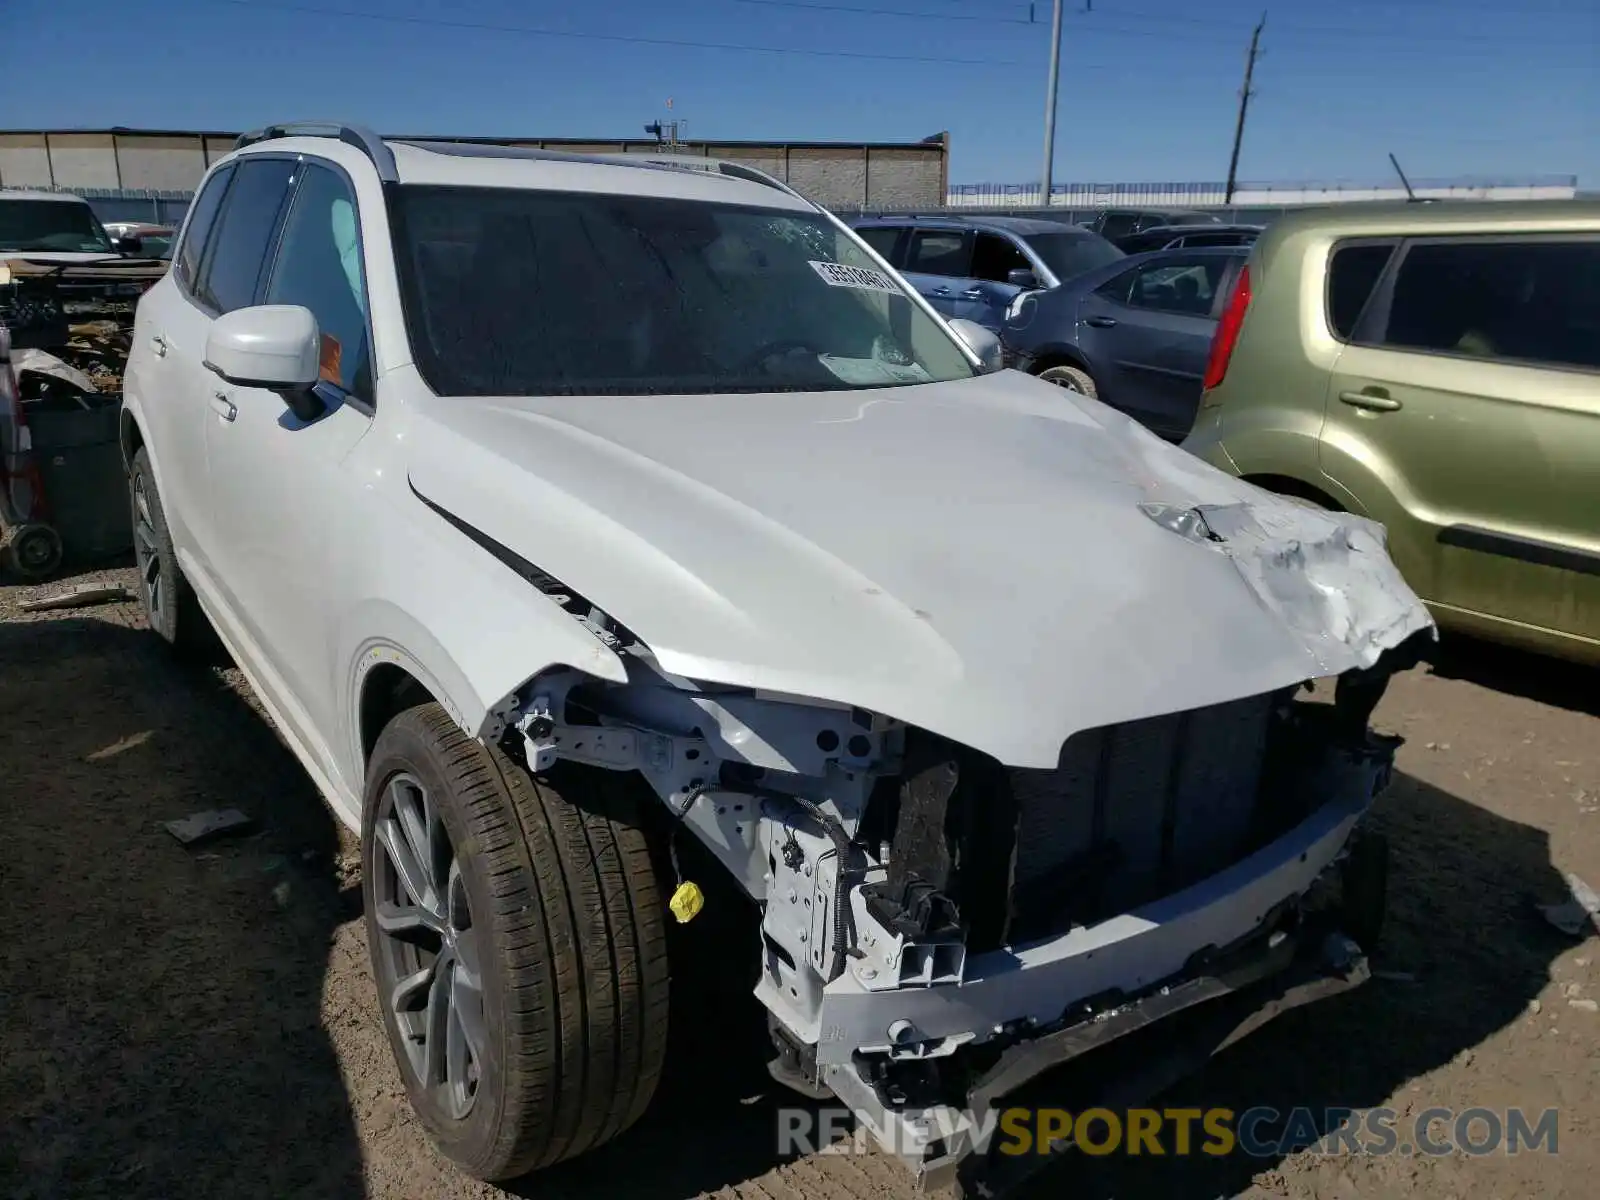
201	1022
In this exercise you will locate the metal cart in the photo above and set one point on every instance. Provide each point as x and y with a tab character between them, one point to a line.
33	546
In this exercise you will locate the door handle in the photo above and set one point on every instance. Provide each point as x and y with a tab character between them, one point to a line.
159	345
223	407
939	291
1101	322
1373	400
972	294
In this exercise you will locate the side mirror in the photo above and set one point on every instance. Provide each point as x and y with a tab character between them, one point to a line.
1022	277
129	244
273	346
980	341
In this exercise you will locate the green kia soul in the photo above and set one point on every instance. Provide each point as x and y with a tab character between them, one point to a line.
1435	367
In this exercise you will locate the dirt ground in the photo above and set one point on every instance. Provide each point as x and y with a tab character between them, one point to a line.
179	1023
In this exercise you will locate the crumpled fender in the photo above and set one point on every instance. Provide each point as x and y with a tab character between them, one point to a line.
1328	577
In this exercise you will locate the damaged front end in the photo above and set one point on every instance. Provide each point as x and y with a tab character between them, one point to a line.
939	929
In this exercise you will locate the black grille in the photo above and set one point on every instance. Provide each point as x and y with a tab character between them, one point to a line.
1135	811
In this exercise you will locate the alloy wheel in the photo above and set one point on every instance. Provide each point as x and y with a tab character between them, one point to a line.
429	955
146	553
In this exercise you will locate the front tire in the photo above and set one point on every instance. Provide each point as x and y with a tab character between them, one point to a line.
518	944
1076	379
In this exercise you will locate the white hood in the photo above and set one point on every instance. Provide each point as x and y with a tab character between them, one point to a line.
997	560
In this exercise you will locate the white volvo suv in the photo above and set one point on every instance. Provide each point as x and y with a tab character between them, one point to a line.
566	512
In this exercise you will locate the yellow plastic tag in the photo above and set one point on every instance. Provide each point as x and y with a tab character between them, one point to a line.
686	902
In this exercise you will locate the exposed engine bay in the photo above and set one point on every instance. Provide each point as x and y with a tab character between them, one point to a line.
937	927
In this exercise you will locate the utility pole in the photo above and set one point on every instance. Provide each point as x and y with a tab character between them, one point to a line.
1050	104
1244	105
1404	182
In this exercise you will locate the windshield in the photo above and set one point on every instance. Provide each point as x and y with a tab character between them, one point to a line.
44	225
1069	254
554	293
155	245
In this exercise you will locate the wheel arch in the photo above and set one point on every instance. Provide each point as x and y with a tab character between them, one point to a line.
1288	485
130	433
1059	354
133	436
387	690
399	662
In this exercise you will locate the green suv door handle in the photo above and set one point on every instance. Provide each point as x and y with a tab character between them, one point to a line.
1374	400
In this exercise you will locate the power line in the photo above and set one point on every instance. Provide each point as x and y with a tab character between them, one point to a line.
1320	31
631	39
1090	23
888	12
1082	30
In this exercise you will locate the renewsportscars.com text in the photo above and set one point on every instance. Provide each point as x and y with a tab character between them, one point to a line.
1260	1132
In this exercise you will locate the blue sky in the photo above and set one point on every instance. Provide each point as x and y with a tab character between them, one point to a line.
1149	87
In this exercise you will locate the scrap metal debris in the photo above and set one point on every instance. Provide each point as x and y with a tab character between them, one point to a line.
100	349
120	746
202	826
81	596
27	363
1579	914
81	314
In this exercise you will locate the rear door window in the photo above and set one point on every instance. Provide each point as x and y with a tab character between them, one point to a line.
1534	300
1353	273
186	263
882	238
1186	286
236	255
995	257
939	252
1116	288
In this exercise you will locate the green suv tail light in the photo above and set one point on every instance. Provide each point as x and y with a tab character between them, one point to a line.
1227	333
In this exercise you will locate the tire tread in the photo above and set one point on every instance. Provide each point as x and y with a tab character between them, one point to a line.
579	927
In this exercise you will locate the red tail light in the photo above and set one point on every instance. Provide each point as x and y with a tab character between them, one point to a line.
1227	334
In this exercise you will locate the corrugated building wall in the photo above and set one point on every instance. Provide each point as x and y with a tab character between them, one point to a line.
836	174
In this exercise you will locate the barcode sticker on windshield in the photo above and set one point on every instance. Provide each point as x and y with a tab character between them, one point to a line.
839	275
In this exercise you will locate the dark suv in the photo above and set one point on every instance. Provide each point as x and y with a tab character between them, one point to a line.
1188	237
1113	224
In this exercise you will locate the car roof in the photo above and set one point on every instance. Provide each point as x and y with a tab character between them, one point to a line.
1022	226
1188	252
1187	230
1156	211
1403	217
476	164
59	197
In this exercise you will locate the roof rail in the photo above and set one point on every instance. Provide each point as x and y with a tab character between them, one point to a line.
706	166
361	138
